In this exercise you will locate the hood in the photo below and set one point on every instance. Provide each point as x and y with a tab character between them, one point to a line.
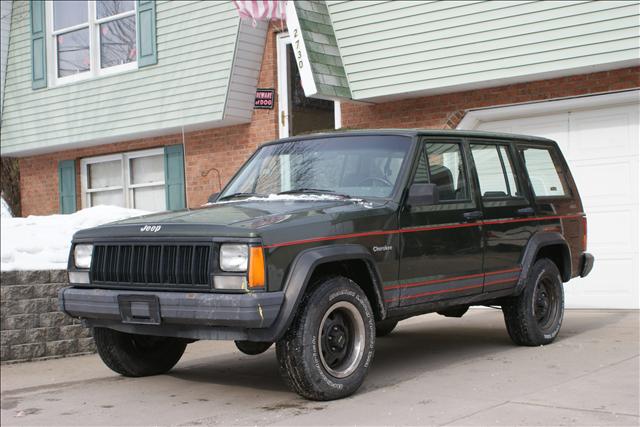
252	217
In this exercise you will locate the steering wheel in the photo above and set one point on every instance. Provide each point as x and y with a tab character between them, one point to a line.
384	181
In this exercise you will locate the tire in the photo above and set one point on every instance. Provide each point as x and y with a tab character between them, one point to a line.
385	327
336	310
134	355
253	348
534	317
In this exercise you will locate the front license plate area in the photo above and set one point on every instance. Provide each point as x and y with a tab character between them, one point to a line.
139	309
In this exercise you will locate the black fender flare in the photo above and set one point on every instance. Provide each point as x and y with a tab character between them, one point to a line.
537	242
300	273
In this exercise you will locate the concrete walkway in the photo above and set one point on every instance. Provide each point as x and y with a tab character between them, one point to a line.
431	371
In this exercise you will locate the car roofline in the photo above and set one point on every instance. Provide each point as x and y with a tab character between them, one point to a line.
442	133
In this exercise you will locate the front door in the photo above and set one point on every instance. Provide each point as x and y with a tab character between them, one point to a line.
441	244
507	212
298	114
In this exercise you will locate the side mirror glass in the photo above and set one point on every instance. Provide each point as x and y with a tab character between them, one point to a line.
422	195
213	197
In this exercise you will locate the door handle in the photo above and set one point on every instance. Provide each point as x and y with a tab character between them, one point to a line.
472	216
525	211
283	117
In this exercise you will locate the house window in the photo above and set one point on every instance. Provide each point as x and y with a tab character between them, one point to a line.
132	180
91	38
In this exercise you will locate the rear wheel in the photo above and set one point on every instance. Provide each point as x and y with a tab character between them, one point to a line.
134	355
385	327
327	351
534	317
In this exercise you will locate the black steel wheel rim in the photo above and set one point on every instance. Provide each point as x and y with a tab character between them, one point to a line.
545	303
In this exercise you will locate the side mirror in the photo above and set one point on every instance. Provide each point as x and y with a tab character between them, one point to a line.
423	195
213	197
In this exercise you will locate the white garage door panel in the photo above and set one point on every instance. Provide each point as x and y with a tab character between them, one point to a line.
601	145
596	182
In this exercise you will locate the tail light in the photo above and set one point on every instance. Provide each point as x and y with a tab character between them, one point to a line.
584	233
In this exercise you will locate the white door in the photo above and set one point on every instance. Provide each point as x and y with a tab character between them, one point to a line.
600	144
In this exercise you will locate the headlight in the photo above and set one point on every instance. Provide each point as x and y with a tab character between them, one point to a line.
82	256
234	257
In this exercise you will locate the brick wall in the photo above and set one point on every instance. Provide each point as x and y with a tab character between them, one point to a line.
31	325
225	149
445	111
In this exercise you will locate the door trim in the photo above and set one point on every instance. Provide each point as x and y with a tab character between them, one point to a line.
282	41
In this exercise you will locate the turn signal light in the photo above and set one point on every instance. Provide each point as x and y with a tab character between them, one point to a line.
256	267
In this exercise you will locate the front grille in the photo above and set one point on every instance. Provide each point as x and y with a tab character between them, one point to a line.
174	265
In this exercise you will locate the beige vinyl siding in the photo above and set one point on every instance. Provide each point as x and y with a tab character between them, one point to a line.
398	48
188	86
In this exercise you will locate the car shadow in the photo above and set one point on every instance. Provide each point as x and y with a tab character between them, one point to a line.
413	348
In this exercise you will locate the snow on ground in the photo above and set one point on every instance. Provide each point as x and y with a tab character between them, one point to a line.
42	242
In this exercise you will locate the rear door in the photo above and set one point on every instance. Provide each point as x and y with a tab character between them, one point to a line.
508	213
441	254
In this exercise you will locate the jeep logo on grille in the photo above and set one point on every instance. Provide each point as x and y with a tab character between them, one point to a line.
151	228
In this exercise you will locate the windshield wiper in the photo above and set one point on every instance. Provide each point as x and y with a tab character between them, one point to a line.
314	191
234	195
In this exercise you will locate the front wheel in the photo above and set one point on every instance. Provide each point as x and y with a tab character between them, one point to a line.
328	349
134	355
534	317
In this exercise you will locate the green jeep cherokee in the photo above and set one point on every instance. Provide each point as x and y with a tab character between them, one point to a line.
323	242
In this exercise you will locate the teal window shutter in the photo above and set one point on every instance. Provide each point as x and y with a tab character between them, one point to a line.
147	48
38	46
67	186
174	177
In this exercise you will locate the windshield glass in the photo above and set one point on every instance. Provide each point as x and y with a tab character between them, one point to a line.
356	166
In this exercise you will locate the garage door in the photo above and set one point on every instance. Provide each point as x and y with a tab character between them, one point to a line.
600	143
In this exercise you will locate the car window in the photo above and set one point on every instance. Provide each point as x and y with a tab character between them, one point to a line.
446	170
544	172
358	166
496	173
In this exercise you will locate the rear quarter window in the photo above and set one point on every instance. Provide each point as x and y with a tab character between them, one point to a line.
544	170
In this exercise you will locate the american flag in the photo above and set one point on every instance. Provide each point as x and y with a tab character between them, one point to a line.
261	9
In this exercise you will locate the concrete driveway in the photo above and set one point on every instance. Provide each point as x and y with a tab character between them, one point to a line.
431	371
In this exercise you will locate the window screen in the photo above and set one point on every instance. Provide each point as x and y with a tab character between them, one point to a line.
495	171
544	172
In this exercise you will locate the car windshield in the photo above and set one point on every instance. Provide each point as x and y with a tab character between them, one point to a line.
355	166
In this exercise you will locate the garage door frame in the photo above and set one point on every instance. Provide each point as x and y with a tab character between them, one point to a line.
473	118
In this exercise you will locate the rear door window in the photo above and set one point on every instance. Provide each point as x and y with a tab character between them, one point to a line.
496	172
545	173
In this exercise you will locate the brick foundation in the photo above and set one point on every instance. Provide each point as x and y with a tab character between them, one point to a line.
31	324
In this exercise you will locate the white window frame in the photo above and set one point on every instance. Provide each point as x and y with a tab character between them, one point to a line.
127	187
93	24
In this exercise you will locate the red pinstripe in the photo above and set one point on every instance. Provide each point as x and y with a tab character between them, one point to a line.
445	291
449	279
418	229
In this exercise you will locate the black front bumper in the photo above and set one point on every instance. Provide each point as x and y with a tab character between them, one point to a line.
189	315
587	264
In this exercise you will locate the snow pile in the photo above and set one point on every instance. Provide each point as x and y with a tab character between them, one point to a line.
5	211
42	242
